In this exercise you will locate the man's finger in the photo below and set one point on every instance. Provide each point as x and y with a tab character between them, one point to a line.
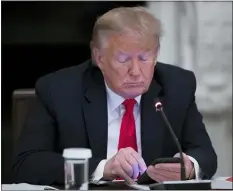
187	163
168	175
141	162
155	176
164	175
123	175
126	167
178	155
134	164
186	159
172	167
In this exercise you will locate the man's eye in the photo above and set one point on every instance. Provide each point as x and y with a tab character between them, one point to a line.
122	58
144	57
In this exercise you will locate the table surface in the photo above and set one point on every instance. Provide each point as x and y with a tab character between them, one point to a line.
108	186
219	183
25	186
111	186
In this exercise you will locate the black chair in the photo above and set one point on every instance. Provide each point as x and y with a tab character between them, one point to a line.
23	101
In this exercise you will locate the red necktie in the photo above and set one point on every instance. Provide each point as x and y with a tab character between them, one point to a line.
128	132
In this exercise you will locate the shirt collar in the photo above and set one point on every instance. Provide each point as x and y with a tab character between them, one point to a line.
114	100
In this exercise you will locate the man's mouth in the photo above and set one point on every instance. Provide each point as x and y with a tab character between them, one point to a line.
134	84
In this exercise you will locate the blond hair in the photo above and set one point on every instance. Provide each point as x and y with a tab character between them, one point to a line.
133	20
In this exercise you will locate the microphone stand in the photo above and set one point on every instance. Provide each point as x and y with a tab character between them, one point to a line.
183	184
183	172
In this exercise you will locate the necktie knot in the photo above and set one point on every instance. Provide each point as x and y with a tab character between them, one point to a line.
129	104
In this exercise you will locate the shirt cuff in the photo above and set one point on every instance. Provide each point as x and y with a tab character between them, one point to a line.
195	164
99	171
196	168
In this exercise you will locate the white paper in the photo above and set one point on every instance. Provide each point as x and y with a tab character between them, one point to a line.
139	186
218	183
221	183
25	186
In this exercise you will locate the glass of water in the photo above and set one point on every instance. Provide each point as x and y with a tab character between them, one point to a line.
76	168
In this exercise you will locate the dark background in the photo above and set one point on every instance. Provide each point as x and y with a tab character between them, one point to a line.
38	38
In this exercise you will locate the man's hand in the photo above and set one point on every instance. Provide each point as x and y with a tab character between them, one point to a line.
170	171
126	164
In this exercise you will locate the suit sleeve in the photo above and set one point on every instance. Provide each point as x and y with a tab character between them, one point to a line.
36	159
196	141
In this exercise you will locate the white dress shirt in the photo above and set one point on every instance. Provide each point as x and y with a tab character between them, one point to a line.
115	113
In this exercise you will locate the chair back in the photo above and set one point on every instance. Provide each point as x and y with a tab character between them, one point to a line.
23	101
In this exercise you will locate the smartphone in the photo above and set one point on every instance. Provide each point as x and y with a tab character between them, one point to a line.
145	179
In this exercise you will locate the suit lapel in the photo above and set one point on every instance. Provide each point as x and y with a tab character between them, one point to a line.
152	125
95	112
96	117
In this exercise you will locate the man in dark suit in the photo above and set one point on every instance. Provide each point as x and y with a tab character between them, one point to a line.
107	105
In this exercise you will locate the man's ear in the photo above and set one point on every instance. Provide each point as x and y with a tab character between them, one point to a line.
98	57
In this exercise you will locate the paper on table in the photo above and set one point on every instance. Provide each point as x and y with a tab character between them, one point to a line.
222	183
217	183
103	182
25	186
139	186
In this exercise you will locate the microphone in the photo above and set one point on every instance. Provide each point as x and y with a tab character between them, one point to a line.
183	184
159	108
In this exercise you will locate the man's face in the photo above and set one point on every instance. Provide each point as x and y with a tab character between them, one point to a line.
128	63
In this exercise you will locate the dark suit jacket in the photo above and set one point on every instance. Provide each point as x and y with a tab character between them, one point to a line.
73	113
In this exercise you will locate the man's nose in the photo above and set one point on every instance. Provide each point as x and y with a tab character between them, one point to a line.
135	69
